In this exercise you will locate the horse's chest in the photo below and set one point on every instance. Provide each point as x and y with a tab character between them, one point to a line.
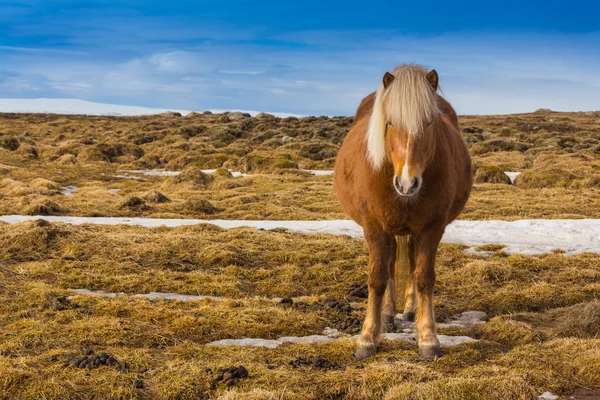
402	219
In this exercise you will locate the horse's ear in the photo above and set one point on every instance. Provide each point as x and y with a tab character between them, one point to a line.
433	79
387	80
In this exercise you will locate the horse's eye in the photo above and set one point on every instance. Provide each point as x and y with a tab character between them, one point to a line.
389	123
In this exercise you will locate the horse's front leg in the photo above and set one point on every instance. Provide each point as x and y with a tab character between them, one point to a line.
382	250
425	249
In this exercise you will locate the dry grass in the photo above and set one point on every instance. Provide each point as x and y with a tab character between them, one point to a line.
557	154
543	333
532	343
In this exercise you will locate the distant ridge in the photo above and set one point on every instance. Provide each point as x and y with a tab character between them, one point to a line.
84	107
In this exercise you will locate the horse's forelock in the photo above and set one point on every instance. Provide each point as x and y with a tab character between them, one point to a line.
407	102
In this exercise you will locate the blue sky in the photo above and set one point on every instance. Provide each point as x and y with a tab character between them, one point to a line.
308	57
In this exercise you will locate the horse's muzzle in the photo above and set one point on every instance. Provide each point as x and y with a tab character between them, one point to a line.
407	191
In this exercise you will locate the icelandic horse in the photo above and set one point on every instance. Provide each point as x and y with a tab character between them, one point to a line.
403	173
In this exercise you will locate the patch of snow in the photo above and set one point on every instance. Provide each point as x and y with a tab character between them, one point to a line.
69	190
136	178
529	237
114	190
149	296
319	172
248	342
512	176
235	174
471	251
331	335
76	106
547	396
467	319
150	172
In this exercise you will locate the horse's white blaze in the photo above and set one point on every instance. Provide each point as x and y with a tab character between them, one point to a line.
407	102
405	179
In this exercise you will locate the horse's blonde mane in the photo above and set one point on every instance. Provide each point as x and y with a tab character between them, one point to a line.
408	102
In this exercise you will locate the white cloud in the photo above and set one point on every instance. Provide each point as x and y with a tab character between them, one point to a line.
329	74
233	72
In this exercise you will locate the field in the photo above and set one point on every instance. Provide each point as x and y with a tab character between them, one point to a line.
543	327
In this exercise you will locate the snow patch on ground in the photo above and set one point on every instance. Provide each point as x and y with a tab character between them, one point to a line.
166	296
512	176
69	190
529	237
136	178
149	296
235	174
319	172
330	334
150	172
547	396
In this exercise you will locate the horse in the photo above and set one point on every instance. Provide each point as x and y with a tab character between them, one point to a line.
403	173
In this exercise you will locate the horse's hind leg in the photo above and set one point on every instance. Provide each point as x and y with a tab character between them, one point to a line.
425	248
382	248
389	300
405	266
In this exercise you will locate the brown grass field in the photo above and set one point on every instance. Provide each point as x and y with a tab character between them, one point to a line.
543	332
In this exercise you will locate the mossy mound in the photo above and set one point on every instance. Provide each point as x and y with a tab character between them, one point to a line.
491	174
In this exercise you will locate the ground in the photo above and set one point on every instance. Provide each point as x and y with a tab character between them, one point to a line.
544	313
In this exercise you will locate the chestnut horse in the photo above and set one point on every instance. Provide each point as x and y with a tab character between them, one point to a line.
403	173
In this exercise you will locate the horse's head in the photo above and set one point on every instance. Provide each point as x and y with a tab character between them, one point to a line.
401	125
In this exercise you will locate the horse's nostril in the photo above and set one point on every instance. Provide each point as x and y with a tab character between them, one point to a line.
415	184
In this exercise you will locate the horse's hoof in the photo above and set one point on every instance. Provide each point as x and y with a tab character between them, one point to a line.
409	316
363	352
388	323
430	352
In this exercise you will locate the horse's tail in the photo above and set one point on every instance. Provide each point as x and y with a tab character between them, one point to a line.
403	280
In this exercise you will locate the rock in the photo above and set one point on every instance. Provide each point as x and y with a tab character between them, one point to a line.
264	115
236	115
171	114
469	318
